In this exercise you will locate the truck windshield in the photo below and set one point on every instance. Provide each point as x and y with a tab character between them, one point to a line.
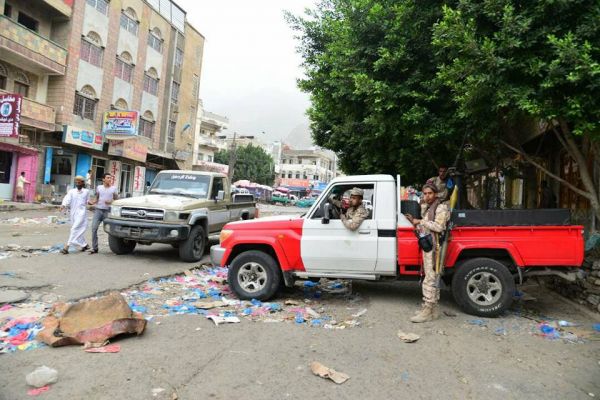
181	184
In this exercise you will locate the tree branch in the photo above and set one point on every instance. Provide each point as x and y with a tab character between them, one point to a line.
547	172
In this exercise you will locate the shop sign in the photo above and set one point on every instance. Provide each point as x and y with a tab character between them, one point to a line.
82	137
10	114
121	123
131	149
114	168
139	180
294	182
212	167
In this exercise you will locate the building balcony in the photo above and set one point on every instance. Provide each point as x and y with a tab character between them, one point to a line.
208	142
36	115
62	6
29	50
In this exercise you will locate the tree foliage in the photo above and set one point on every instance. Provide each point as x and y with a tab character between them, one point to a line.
394	83
252	163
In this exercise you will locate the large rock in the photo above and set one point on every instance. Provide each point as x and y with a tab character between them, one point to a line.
593	299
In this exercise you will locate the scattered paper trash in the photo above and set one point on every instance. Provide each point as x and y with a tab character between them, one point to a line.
408	337
38	391
42	376
328	373
360	313
478	322
111	348
217	319
157	391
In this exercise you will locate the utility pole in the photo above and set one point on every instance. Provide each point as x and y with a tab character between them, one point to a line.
232	157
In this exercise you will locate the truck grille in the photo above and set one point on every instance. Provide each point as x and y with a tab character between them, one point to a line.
143	214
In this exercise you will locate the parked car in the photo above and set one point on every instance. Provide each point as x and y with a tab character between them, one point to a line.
181	208
489	252
306	202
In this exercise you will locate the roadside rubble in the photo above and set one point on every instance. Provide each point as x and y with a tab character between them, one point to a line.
204	291
328	373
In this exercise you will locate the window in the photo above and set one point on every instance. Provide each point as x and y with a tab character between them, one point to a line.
3	75
22	89
178	57
28	22
91	53
175	92
290	175
150	84
146	128
297	175
155	42
209	158
123	70
85	107
283	175
216	187
342	191
129	24
7	10
171	133
121	105
100	5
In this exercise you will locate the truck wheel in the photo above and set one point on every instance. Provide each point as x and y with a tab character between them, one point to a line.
120	246
483	287
254	275
192	249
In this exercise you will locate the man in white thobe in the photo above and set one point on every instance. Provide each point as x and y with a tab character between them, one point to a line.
77	200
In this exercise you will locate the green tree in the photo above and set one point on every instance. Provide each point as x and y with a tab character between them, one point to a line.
508	61
372	78
252	163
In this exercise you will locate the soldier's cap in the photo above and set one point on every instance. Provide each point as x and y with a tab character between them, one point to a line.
357	192
79	178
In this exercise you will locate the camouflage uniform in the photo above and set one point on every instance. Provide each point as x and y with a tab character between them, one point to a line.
354	217
431	293
442	189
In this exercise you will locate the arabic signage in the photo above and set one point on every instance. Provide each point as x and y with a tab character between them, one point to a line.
114	168
294	182
122	123
131	149
83	138
212	167
139	179
10	114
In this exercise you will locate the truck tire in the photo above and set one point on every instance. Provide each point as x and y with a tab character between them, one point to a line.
192	249
120	246
483	287
254	275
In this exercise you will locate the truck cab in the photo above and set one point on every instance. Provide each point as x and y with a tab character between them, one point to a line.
484	260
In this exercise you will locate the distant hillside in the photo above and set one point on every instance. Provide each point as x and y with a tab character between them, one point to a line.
299	137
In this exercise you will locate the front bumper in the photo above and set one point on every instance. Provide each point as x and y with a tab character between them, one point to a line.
146	231
216	255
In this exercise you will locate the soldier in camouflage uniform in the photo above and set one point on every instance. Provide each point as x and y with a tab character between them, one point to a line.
435	216
440	183
356	213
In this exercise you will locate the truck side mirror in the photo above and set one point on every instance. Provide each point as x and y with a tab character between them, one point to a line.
220	195
326	213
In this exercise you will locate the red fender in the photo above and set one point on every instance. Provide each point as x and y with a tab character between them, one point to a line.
455	249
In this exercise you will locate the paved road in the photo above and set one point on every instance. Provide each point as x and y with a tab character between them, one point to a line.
188	355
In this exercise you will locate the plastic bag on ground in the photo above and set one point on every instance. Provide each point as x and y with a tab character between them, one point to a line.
42	376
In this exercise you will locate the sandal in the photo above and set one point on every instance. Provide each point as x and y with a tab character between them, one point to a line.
85	248
64	251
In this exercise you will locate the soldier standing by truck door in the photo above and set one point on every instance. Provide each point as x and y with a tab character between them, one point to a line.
435	216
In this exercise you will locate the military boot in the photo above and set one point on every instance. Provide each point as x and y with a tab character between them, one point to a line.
435	311
425	315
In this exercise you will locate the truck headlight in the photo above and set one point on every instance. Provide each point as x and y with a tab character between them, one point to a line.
225	233
171	216
115	211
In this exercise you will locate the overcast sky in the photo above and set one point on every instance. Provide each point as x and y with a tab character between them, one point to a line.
250	64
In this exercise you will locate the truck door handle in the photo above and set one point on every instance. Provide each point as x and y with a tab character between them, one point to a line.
363	232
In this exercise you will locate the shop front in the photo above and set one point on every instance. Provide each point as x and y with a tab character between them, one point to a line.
128	171
76	156
15	159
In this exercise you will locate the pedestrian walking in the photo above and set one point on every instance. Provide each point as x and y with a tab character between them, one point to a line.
435	216
21	181
105	194
77	200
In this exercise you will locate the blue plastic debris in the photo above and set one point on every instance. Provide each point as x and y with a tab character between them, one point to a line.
274	307
596	327
256	303
299	318
316	322
478	322
549	332
310	284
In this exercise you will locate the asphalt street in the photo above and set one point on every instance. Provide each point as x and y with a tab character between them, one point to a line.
188	357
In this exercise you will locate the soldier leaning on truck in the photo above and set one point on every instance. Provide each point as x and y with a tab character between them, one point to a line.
435	216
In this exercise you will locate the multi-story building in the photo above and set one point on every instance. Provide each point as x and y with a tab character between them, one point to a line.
33	52
207	143
125	55
300	168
